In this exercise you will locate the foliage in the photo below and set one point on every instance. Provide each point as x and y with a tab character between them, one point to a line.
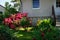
45	21
34	34
5	33
10	34
1	18
24	22
9	30
43	31
9	9
19	19
14	10
44	24
47	31
17	4
53	34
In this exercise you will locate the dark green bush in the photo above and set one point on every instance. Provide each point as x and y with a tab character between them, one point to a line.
24	22
46	31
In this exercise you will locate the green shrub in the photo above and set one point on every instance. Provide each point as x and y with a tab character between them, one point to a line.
1	18
46	31
24	22
43	31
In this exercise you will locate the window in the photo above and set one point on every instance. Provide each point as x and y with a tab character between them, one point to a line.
57	3
1	12
35	3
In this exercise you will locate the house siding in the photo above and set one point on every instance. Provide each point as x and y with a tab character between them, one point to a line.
2	9
44	10
57	9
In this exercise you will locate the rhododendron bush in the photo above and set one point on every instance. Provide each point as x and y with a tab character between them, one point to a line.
43	31
17	20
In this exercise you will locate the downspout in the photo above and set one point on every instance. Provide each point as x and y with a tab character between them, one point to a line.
21	9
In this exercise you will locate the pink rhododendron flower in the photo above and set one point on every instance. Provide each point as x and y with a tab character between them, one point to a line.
14	19
9	20
25	14
16	22
11	26
12	16
19	16
6	21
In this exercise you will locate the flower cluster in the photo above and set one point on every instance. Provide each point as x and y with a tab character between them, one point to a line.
15	19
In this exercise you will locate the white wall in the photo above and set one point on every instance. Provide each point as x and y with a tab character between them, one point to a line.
57	9
2	9
44	10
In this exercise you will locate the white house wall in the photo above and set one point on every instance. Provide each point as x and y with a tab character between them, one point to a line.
2	9
57	9
44	10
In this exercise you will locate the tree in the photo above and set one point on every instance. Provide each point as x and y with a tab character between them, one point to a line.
9	9
17	4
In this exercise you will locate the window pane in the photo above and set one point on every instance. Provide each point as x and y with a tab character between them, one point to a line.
57	3
1	12
35	3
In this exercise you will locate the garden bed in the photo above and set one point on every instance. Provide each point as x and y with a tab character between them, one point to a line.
19	27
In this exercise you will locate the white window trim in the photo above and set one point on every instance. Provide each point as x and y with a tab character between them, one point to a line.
35	8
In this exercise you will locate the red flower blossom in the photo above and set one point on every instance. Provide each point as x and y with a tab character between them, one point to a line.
7	21
25	14
18	16
10	21
12	16
11	26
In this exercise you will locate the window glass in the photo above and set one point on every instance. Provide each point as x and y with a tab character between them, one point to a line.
35	3
57	3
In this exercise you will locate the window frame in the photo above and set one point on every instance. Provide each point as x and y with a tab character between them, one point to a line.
57	4
36	7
